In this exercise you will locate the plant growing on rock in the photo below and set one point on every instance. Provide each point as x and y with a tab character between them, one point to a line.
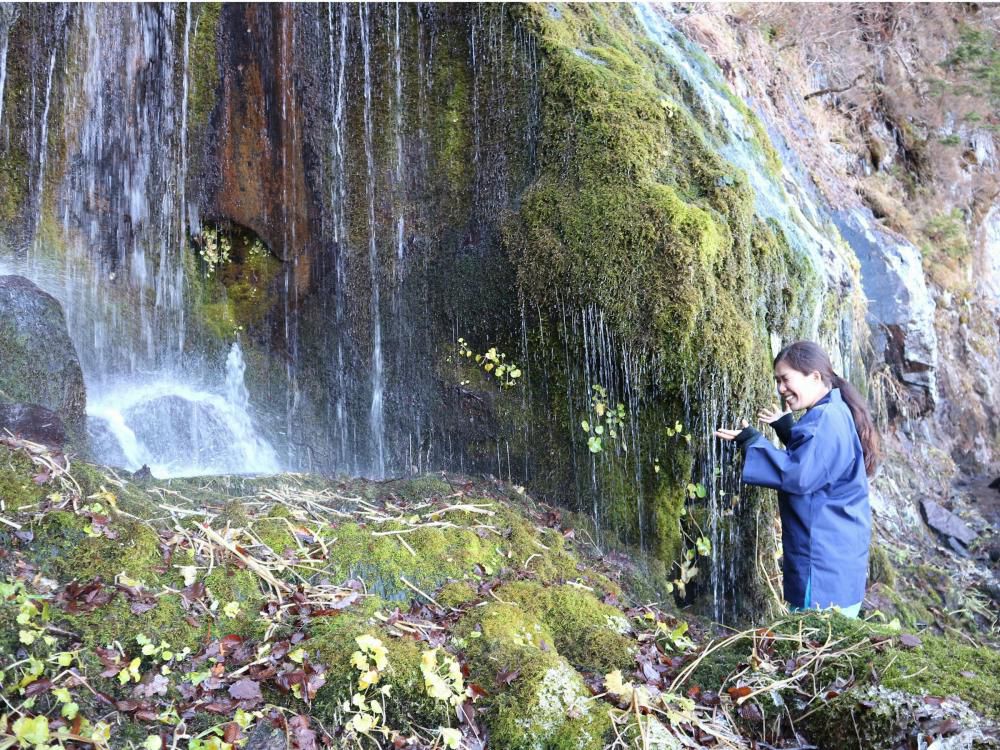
604	421
213	248
492	362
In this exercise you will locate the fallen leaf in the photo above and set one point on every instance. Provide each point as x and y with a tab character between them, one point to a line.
246	690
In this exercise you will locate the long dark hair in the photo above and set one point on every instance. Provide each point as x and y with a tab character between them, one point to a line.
806	357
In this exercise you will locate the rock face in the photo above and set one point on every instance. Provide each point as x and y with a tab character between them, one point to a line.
900	308
38	364
34	423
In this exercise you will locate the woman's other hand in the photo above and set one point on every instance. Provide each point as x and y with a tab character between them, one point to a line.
772	414
726	434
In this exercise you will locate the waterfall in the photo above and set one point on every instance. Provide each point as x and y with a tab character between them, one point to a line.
338	69
117	265
8	14
376	420
177	429
182	181
43	143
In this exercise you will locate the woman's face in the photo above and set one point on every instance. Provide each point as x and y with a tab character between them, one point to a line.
800	391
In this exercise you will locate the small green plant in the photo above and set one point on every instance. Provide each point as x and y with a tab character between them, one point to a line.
444	682
367	705
947	234
978	55
214	249
491	362
605	421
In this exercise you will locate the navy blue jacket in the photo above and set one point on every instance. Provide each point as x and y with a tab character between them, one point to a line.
823	498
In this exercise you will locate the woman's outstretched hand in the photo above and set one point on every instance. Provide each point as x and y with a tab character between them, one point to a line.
771	415
731	434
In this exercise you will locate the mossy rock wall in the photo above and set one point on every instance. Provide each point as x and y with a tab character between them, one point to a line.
539	179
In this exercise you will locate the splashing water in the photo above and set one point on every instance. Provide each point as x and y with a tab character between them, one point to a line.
178	429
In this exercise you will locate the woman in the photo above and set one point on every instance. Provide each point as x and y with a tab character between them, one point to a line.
821	477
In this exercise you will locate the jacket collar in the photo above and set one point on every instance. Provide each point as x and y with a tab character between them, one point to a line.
833	395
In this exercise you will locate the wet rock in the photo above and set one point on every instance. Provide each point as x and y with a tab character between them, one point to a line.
34	423
38	364
266	736
103	444
946	523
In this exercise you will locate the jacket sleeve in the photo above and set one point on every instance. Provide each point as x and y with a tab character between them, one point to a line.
783	428
818	453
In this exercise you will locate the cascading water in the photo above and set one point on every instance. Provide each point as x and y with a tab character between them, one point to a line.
390	145
179	430
107	241
376	420
7	16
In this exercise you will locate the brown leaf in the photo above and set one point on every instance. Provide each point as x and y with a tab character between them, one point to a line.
739	692
152	684
750	712
303	738
231	732
38	687
246	690
139	607
346	601
506	677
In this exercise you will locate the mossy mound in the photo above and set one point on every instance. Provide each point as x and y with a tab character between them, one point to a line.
829	674
228	593
538	699
405	612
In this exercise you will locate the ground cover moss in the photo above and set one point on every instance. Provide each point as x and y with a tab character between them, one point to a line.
17	490
588	633
546	705
876	655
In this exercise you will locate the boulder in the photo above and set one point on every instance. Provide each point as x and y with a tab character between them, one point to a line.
38	364
946	523
34	423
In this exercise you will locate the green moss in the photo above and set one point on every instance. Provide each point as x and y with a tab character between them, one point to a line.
880	569
938	666
71	549
17	490
227	584
587	632
236	281
547	704
204	64
116	622
945	666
